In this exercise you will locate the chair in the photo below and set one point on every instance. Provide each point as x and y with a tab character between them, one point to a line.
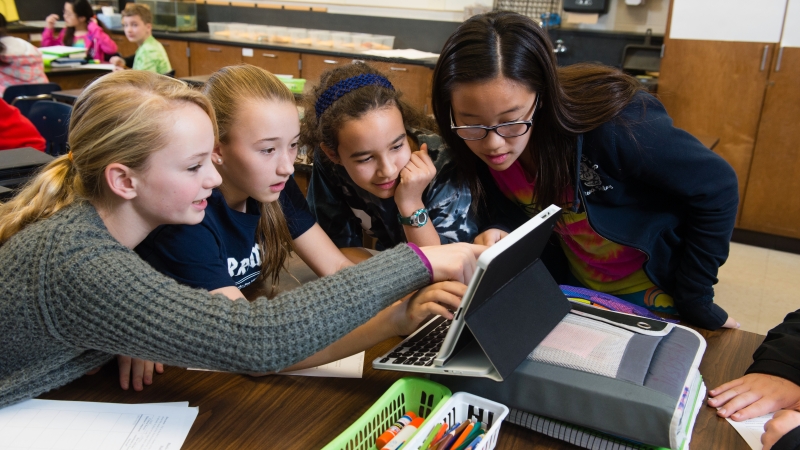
171	73
23	96
52	121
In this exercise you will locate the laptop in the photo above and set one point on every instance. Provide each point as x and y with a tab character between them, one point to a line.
18	165
511	304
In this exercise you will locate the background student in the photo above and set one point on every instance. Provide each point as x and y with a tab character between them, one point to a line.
82	30
74	292
648	210
20	61
258	215
379	166
772	384
17	131
137	22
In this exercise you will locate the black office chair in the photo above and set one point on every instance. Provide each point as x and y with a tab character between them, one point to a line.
52	121
23	96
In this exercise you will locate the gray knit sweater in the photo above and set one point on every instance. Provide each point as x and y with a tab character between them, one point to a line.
71	297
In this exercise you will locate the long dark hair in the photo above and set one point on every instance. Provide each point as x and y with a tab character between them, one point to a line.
352	105
81	8
572	100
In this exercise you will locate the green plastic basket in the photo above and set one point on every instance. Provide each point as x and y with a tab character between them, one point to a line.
295	84
418	395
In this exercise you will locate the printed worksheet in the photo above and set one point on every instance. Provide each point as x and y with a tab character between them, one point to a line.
751	430
66	425
350	367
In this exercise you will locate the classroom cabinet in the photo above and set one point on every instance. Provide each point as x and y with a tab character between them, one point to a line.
124	46
715	73
280	62
412	80
770	204
314	65
207	58
178	53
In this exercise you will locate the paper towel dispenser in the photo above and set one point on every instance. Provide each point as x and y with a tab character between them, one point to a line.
586	6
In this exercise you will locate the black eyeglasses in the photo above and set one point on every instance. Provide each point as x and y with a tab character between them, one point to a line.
506	129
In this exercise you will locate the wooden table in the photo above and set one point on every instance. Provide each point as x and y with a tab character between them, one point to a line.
74	78
291	412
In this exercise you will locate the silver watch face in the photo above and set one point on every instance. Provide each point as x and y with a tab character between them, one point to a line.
420	219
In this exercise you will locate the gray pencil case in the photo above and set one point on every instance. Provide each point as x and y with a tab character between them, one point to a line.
651	397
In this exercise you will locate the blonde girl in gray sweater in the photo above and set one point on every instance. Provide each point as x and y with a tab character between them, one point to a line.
74	294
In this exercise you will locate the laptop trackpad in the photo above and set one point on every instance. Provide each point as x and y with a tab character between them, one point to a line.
469	361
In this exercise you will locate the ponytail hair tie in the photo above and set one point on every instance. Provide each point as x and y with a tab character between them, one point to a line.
341	88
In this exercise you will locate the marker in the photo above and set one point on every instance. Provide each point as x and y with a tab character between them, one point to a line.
404	434
451	436
474	444
390	433
463	436
476	431
430	437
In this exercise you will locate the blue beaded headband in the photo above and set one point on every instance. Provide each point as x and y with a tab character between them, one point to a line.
341	88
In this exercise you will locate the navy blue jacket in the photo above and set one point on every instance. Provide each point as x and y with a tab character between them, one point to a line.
648	185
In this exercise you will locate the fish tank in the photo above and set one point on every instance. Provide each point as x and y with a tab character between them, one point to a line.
173	15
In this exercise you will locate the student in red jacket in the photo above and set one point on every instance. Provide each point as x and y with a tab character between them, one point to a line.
17	131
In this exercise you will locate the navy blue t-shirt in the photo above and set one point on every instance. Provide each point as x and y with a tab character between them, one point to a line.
221	250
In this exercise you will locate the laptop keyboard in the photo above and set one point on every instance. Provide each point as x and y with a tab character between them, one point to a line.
423	347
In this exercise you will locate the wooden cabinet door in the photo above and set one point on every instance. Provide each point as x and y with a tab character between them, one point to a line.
178	56
771	204
124	46
205	59
717	89
315	65
275	61
412	80
714	86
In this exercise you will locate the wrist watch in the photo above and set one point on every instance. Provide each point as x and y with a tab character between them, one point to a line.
418	219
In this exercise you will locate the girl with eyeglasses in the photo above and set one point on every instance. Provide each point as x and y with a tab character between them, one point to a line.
380	167
648	210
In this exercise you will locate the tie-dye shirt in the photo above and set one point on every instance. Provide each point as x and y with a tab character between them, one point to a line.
595	261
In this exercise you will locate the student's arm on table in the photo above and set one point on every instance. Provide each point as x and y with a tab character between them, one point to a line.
400	319
317	250
754	395
772	381
782	432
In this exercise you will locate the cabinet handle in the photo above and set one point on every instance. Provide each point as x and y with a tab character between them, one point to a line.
269	55
398	69
764	57
214	49
330	61
780	56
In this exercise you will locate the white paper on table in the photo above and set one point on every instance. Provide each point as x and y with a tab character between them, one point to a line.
350	367
64	425
408	53
751	430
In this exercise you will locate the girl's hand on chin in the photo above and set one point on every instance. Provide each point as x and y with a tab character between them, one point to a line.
414	178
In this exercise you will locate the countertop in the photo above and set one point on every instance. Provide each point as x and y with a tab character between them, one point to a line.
199	36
